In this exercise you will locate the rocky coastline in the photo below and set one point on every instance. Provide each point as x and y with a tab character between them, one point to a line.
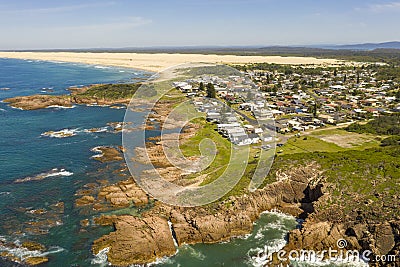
78	96
158	232
300	190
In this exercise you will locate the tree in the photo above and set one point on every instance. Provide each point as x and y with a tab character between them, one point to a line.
288	71
201	86
249	95
211	91
397	95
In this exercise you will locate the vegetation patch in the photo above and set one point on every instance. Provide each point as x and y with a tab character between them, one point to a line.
111	91
384	125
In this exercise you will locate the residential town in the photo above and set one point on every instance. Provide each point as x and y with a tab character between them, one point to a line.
298	99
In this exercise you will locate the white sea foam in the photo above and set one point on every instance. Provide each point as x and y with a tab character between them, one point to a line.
101	258
22	253
16	108
97	150
280	214
2	110
195	253
97	105
55	173
172	233
260	256
97	130
117	107
102	67
61	107
62	133
163	260
52	173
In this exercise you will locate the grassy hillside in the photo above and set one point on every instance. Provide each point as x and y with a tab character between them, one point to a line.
111	91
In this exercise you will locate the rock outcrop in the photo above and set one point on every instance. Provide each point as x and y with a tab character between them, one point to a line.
123	194
319	232
137	240
34	102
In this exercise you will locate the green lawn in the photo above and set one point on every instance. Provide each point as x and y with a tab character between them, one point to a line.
305	144
329	140
191	148
223	157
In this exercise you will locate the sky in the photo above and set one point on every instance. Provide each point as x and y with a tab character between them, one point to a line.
47	24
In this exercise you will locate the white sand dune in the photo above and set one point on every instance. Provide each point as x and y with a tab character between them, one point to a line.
160	61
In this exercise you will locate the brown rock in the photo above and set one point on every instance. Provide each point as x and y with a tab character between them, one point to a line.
142	240
123	194
36	260
137	241
384	239
84	223
84	201
39	101
108	154
30	245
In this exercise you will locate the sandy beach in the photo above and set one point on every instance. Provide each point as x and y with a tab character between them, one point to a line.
160	61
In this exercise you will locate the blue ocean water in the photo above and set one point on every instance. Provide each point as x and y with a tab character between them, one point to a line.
24	152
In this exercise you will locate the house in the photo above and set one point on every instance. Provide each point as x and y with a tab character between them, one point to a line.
266	138
240	139
255	138
293	123
213	117
327	118
226	126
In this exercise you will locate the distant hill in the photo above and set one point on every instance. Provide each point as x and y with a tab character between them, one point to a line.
365	47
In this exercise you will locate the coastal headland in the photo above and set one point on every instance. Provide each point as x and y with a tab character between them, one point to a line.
334	204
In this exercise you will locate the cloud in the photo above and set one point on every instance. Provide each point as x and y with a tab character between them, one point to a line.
57	9
113	24
382	7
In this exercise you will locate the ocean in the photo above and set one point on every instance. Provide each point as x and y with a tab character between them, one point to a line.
30	210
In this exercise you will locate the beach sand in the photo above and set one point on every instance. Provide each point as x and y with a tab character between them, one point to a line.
160	61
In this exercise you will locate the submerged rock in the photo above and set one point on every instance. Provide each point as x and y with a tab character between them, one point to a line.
84	201
30	245
36	260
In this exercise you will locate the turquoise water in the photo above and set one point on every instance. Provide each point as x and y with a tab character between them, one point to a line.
268	236
24	152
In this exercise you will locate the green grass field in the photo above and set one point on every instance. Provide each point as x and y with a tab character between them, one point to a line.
329	140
